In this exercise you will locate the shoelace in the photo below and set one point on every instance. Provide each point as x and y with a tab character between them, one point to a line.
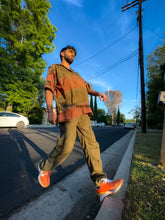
43	173
106	180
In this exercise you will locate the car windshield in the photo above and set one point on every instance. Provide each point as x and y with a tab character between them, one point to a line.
2	114
8	114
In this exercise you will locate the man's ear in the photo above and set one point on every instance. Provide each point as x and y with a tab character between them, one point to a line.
62	54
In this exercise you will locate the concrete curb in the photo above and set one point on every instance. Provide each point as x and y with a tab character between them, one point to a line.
41	126
113	205
57	202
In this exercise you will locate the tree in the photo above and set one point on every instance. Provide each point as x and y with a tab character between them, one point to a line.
91	102
155	84
95	109
118	117
114	98
108	119
100	115
26	35
162	153
136	112
100	112
103	117
36	115
122	118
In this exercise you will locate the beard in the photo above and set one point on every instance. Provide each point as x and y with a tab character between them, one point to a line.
68	59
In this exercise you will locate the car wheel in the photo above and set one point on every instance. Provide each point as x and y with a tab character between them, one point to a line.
20	124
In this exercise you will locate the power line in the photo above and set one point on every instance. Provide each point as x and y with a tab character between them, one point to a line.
101	72
101	51
153	32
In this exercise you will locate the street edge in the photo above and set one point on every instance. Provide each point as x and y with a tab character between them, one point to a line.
112	206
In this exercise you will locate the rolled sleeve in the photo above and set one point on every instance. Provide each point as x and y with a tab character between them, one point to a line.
88	86
51	79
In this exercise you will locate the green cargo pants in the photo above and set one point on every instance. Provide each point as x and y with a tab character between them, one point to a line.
80	125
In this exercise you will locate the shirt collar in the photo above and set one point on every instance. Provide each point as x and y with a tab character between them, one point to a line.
65	67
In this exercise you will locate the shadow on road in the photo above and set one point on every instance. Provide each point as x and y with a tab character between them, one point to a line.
19	155
19	174
19	181
25	158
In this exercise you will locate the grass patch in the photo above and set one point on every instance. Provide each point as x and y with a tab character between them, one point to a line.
145	199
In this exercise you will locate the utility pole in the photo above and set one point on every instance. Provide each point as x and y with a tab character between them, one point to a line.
141	59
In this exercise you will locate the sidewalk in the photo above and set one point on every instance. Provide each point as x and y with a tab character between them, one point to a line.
60	199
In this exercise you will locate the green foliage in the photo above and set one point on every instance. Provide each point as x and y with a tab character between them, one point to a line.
100	115
155	84
118	117
103	117
122	118
136	112
36	115
108	119
91	105
100	112
26	34
91	102
130	120
95	109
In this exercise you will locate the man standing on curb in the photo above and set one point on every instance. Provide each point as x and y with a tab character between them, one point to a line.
70	92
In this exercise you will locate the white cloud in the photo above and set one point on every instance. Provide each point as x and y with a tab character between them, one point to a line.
102	84
132	102
77	3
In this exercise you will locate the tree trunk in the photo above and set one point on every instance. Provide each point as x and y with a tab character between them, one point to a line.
162	156
113	118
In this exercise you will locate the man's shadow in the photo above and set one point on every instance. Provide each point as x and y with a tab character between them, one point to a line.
23	184
31	170
19	174
20	139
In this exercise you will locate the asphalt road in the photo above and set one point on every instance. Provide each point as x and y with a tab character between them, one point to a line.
20	152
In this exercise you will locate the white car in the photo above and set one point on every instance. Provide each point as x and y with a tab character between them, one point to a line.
100	124
129	126
10	119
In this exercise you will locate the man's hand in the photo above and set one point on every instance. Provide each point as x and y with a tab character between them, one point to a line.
52	117
102	97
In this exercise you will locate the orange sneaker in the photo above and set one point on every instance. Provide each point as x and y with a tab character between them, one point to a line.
108	187
44	178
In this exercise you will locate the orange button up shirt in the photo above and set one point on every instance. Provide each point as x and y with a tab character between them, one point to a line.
70	92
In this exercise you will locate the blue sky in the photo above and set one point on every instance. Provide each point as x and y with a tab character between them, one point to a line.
106	40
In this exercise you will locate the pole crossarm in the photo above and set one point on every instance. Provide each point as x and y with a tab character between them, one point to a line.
131	4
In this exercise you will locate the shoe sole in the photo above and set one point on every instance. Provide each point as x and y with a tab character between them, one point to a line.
114	191
39	178
39	175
